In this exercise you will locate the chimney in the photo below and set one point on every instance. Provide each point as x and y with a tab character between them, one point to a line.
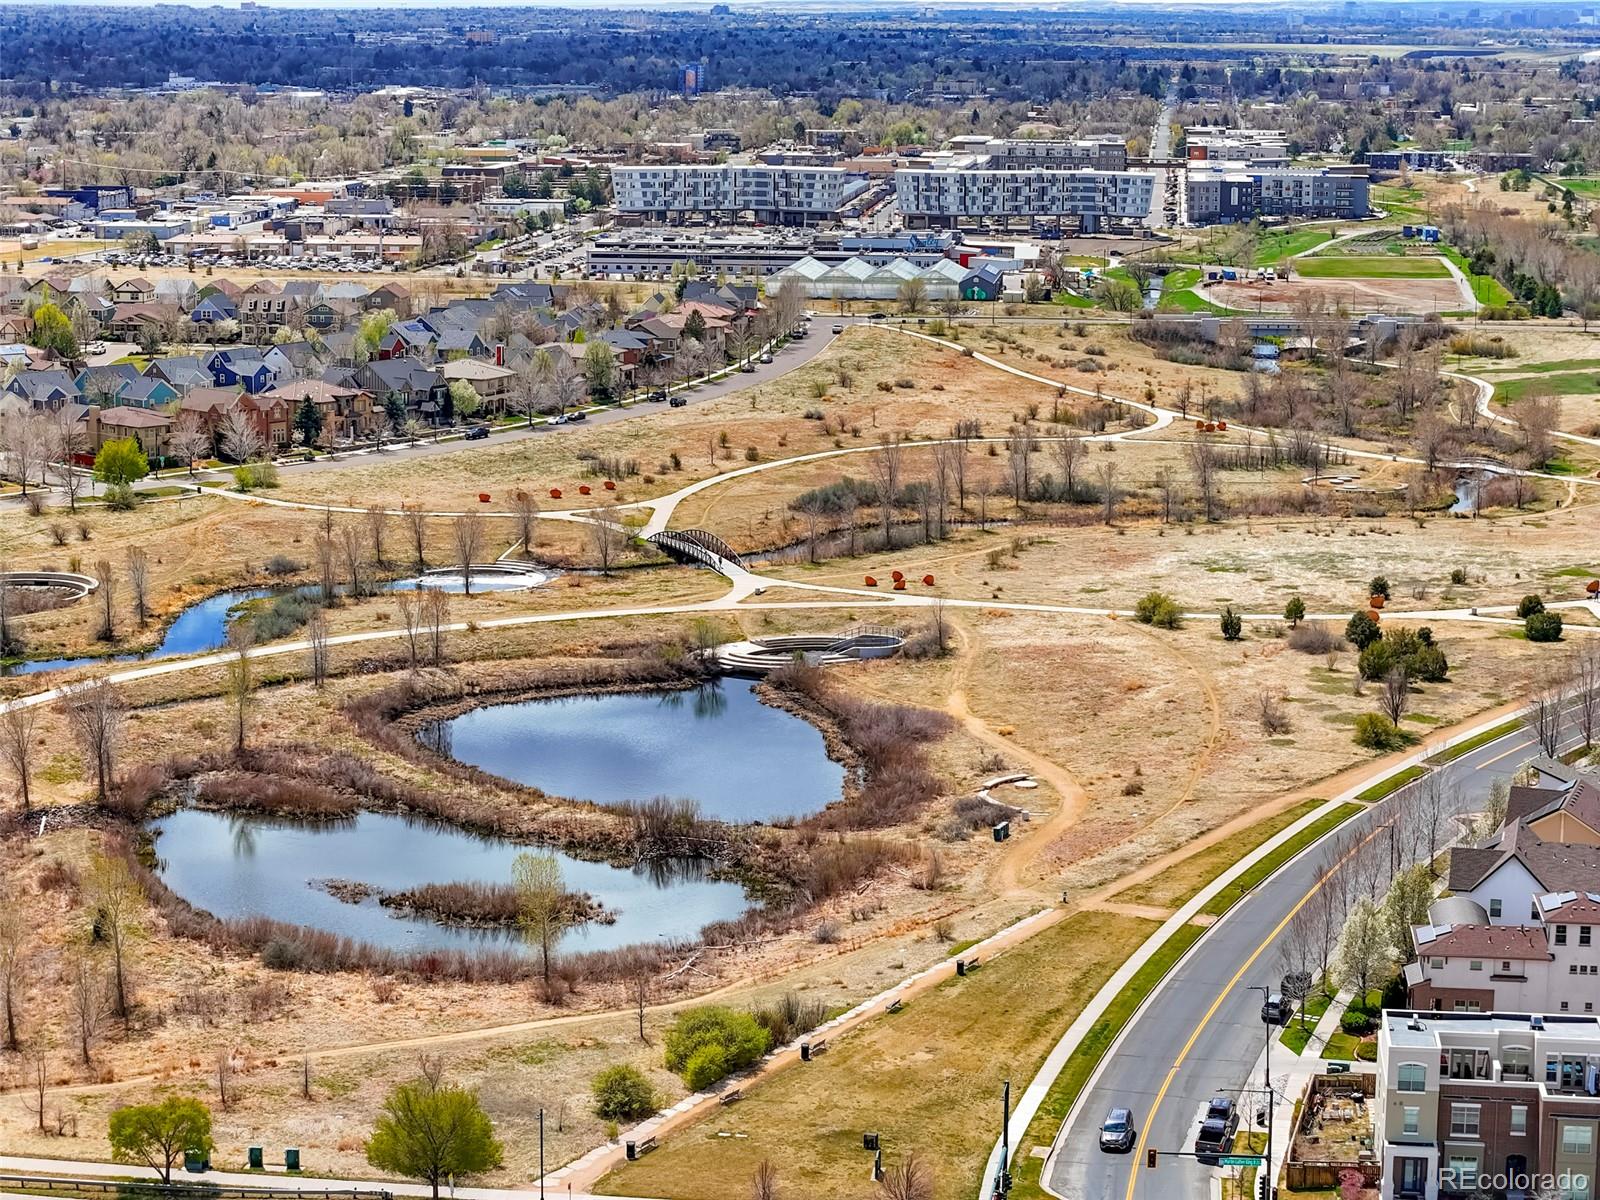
499	354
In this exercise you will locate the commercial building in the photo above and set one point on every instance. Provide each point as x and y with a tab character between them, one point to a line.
1204	143
1092	153
1504	1101
652	254
771	194
1223	193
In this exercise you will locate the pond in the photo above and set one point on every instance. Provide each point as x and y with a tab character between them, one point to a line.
235	865
200	627
740	759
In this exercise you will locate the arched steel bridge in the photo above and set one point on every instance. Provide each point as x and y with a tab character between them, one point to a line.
696	546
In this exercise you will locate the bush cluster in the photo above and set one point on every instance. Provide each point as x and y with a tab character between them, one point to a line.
1376	732
1415	652
1543	627
1158	609
622	1093
707	1044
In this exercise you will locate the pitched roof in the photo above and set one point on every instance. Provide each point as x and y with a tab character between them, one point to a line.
134	418
1580	908
321	391
1524	942
210	399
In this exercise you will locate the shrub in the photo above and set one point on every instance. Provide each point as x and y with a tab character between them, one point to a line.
622	1093
706	1044
1376	732
1232	625
250	476
1294	612
1355	1021
1415	652
1529	605
1379	586
280	565
1314	638
1458	576
120	497
1543	627
1362	630
787	1017
1158	609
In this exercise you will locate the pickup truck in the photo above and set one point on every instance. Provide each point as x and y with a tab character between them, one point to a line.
1217	1129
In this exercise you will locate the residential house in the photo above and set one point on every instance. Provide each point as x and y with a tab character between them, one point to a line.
184	372
1471	1099
104	385
293	360
242	367
393	296
457	343
348	413
131	321
176	289
146	392
212	309
272	413
15	326
49	389
493	384
409	339
137	290
15	354
263	310
208	407
339	346
420	388
145	426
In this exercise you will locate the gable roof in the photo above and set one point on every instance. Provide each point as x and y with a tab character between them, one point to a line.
1580	908
1555	866
127	417
1521	942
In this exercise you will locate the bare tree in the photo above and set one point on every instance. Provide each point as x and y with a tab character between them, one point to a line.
38	1077
13	967
106	594
435	616
639	985
467	532
526	508
606	539
1110	494
885	464
240	679
377	527
1585	675
87	997
114	899
327	555
1395	695
239	438
417	524
22	445
908	1179
764	1181
137	565
1297	953
317	638
1544	713
410	606
1019	462
190	440
17	726
353	549
544	908
66	440
1070	452
1203	467
225	1092
95	713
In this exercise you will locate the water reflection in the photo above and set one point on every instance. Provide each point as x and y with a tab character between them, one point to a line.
737	758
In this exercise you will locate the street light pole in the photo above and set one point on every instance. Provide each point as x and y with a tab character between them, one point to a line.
541	1154
1266	1165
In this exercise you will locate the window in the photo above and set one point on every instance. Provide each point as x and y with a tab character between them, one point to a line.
1583	934
1464	1120
1561	935
1413	1077
1410	1119
1436	963
1577	1138
1519	1120
1494	908
1475	965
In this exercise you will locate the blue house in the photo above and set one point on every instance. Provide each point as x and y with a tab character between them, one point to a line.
214	308
105	385
239	368
148	392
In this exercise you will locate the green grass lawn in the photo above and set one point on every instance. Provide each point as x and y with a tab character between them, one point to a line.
1341	1047
1486	289
1398	201
1392	784
1588	188
1575	383
1283	244
1295	1034
1179	280
1472	743
1188	301
1545	368
1370	267
1233	892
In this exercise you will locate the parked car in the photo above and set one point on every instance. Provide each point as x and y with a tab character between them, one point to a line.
559	419
477	432
657	396
838	328
766	358
1116	1131
1275	1010
580	415
678	401
877	316
1217	1130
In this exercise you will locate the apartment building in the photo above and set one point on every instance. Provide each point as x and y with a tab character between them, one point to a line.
1093	153
1208	142
772	194
948	196
1503	1101
1224	193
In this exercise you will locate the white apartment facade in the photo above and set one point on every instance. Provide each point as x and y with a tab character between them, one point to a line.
776	194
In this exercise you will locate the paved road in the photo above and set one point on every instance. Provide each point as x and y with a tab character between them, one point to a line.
1201	1033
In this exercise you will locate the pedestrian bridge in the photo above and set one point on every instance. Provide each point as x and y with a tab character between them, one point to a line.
700	547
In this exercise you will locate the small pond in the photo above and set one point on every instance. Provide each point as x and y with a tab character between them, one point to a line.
200	627
240	866
740	759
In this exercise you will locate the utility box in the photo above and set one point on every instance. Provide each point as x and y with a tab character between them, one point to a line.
869	1141
255	1158
1002	831
291	1159
195	1161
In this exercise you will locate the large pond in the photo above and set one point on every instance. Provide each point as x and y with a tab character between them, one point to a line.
739	759
243	866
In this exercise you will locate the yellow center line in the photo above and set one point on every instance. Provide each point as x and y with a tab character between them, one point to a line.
1139	1150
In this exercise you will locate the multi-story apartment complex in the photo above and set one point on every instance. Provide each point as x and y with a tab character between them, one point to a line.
1503	1101
1240	192
1094	153
772	194
947	196
1207	142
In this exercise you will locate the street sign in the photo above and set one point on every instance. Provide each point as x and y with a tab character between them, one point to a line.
1241	1160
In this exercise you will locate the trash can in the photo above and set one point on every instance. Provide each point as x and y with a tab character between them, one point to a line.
195	1161
291	1159
255	1158
869	1141
632	1151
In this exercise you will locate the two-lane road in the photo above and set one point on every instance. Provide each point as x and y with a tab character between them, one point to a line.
1201	1033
